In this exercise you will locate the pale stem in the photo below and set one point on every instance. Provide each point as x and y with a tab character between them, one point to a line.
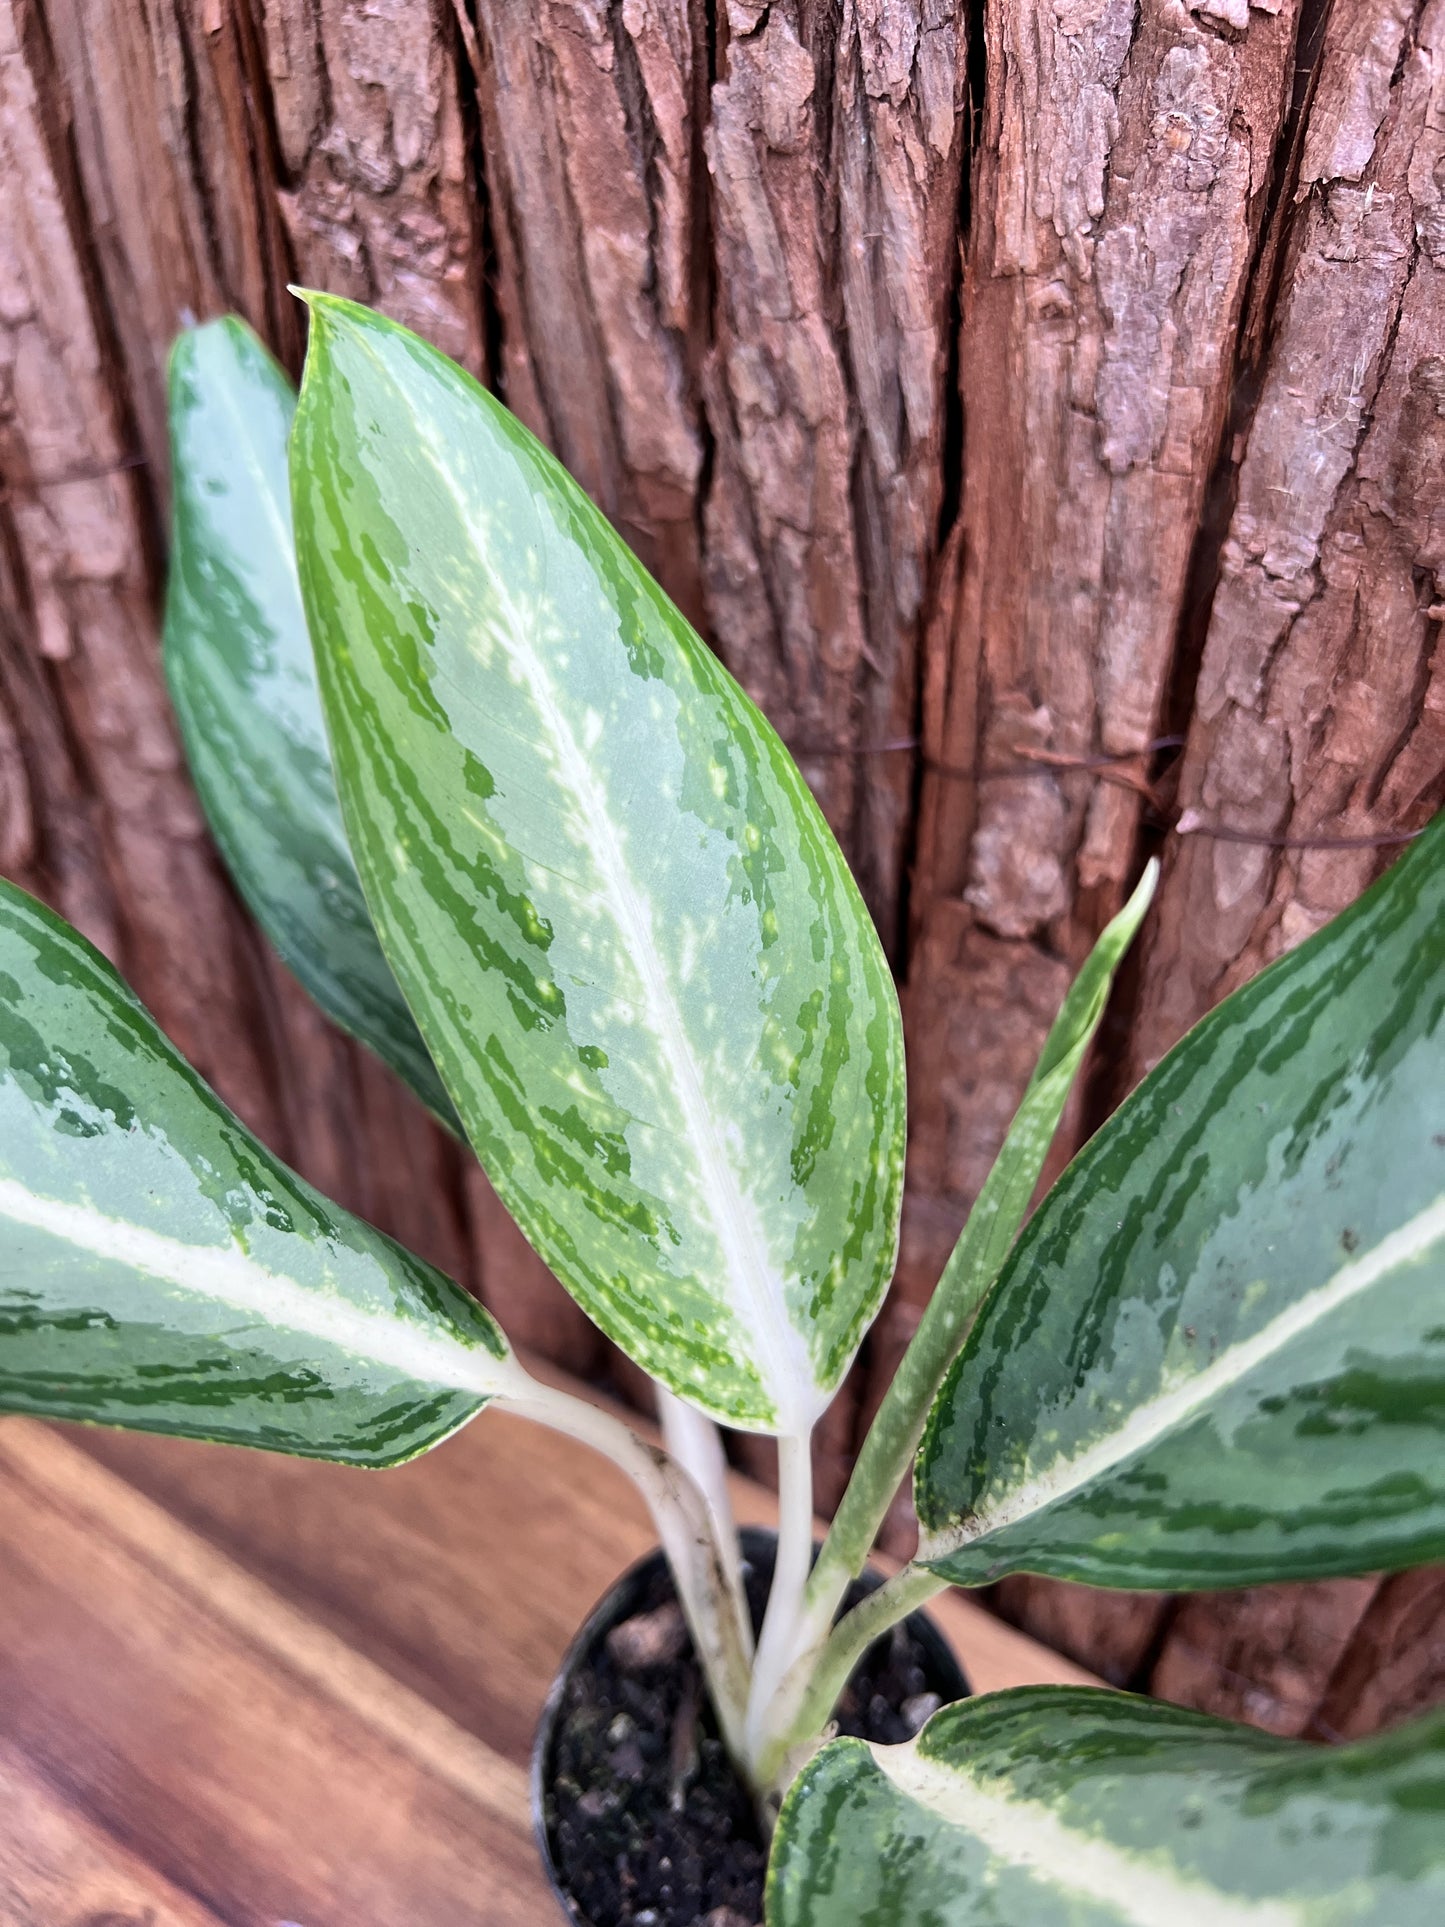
777	1643
824	1680
713	1608
893	1438
696	1443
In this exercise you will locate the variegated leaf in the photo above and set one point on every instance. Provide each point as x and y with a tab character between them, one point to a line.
160	1269
1217	1355
1071	1807
631	943
892	1440
241	674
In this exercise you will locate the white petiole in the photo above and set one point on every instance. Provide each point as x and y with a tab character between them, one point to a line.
709	1592
696	1443
771	1700
778	1641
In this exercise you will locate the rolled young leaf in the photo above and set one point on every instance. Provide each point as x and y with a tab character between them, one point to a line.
1217	1355
160	1269
893	1438
243	681
824	1652
631	942
1074	1807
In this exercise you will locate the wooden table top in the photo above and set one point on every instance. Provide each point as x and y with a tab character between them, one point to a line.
247	1690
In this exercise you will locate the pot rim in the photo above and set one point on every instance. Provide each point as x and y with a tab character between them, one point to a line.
617	1604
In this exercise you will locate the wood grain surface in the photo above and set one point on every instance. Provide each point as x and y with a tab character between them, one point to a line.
246	1690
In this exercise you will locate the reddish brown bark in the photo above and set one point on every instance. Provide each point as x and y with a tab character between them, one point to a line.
1319	710
1118	195
1395	1663
1119	191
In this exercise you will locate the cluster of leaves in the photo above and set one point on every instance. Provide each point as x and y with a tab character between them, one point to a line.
513	826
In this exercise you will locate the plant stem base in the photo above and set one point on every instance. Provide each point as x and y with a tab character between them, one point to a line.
642	1816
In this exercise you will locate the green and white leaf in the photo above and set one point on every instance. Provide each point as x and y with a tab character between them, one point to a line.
160	1269
243	681
631	943
1217	1354
994	1221
1072	1807
893	1438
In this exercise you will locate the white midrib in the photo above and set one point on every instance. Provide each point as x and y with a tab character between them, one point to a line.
225	1275
1183	1401
781	1357
1025	1835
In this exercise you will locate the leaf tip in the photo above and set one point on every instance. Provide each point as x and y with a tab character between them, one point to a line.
331	320
188	345
321	306
1132	915
225	343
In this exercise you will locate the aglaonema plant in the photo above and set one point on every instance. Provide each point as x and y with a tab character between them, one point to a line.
514	827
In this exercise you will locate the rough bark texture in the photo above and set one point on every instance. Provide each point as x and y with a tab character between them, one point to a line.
1003	389
1319	710
1120	188
723	275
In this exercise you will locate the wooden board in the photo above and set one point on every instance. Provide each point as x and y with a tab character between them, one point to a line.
254	1691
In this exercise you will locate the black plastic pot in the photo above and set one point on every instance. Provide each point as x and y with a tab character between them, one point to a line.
633	1593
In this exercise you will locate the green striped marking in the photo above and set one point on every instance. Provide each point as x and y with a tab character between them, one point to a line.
160	1269
1217	1355
993	1223
1065	1807
631	942
243	681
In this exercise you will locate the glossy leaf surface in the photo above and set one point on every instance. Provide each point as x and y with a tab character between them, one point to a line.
239	664
160	1269
1217	1354
1071	1807
631	942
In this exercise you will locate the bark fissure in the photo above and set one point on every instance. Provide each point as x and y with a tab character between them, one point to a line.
1326	543
486	266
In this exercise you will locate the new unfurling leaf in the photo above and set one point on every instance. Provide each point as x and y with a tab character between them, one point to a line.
1217	1355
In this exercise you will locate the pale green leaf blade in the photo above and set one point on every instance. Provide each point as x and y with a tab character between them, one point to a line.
243	681
995	1218
1217	1354
1071	1807
160	1269
632	945
974	1264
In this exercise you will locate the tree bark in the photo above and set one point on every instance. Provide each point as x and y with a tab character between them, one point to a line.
1040	406
1319	707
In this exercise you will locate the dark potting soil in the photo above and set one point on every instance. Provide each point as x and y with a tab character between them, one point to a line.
648	1823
